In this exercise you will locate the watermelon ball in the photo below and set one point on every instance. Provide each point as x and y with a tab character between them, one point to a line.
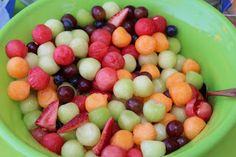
98	50
63	55
134	152
53	142
145	26
160	23
130	49
113	151
101	35
113	48
38	79
42	34
113	60
106	78
16	48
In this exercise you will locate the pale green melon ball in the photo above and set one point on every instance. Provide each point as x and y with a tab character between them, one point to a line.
46	49
88	67
84	18
55	25
29	104
30	119
79	33
143	86
130	62
64	38
148	59
72	148
111	8
153	148
48	64
79	47
32	59
124	89
67	112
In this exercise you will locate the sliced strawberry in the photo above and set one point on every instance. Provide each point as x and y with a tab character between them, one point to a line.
119	18
38	134
74	123
48	117
80	102
105	137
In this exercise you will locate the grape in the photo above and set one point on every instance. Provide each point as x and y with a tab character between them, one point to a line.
46	49
159	85
182	141
195	79
72	148
69	22
32	47
48	64
174	128
99	116
161	131
84	85
167	59
84	18
134	105
65	93
116	107
79	33
123	89
167	73
64	38
175	45
68	135
128	120
180	61
32	59
79	47
90	154
171	145
130	12
98	13
30	119
55	25
143	86
179	112
140	12
130	62
58	79
90	29
29	104
153	148
148	59
69	71
111	8
67	112
88	134
153	111
88	68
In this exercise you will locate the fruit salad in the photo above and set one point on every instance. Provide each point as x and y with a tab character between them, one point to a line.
107	82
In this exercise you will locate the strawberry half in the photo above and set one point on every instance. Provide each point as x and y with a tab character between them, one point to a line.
105	137
74	123
48	117
119	18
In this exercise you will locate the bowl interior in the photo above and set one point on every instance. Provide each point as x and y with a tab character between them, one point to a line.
205	36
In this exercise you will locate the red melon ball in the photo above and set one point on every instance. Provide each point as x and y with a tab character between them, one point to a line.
145	26
101	35
98	50
113	151
41	34
134	152
130	49
160	23
113	60
16	48
53	142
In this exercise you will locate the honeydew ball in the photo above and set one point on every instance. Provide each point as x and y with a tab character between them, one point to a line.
72	148
32	59
180	61
195	79
67	112
167	59
79	46
48	64
128	120
88	134
99	116
46	49
153	111
159	85
111	8
148	59
179	113
30	119
55	26
79	33
143	86
116	107
130	62
161	131
29	104
64	38
84	18
153	148
88	67
90	154
124	89
68	135
175	45
167	73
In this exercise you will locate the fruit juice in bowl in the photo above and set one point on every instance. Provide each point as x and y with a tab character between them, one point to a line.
111	80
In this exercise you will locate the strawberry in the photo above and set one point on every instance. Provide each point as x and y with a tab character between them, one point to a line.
38	134
74	123
105	137
38	79
80	102
53	142
48	117
119	18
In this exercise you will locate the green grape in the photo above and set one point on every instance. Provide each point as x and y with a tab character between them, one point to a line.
111	8
128	120
99	116
124	89
29	104
72	148
159	85
195	79
167	59
175	45
130	62
153	148
116	107
84	18
143	86
180	61
161	131
179	112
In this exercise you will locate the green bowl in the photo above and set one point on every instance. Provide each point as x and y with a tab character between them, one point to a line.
205	34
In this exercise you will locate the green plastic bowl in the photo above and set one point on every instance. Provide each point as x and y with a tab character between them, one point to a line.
205	34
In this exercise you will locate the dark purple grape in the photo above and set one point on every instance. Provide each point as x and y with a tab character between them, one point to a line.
174	128
58	79
69	71
69	22
140	12
98	13
167	93
84	85
59	124
109	27
89	29
134	105
134	38
68	26
182	141
146	74
32	47
171	145
99	24
130	12
74	81
171	30
65	94
129	26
